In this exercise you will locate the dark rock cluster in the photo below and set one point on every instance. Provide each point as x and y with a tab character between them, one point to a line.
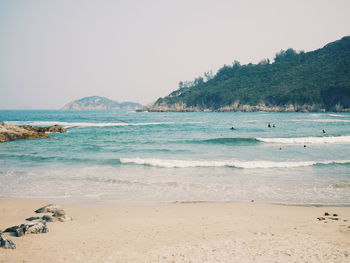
58	214
31	228
6	243
329	217
54	128
36	225
13	132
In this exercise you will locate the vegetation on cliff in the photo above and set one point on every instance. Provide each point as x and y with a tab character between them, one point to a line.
296	81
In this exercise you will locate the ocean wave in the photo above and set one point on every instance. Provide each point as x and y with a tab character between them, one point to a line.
307	140
338	115
54	159
84	124
252	141
328	120
225	141
320	120
235	164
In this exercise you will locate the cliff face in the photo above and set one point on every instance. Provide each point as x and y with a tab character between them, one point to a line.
99	103
296	81
180	107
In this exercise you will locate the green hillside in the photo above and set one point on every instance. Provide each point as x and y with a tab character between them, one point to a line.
296	81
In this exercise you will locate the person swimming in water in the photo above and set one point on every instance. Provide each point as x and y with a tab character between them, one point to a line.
269	125
323	131
232	128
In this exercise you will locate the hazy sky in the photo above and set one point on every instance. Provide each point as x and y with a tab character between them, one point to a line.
55	51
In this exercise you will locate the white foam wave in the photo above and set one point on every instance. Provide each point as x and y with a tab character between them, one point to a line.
329	120
84	124
238	164
322	120
308	140
337	115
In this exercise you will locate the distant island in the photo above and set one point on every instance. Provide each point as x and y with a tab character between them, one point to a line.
295	81
99	103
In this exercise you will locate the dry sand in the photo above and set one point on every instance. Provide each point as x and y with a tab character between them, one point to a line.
193	232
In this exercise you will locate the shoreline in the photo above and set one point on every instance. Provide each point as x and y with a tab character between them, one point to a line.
142	204
182	232
262	203
181	107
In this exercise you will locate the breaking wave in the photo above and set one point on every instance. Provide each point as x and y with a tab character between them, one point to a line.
235	164
308	140
328	120
253	141
338	115
226	141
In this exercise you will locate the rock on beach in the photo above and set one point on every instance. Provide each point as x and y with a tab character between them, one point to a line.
30	228
50	208
6	243
58	214
36	224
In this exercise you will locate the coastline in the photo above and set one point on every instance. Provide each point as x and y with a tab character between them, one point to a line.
237	107
182	232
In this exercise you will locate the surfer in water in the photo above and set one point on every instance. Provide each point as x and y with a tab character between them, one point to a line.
269	125
232	128
323	131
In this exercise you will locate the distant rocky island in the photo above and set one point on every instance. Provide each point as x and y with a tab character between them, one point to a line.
313	81
99	103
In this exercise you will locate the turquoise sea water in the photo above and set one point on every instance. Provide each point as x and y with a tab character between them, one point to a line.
141	157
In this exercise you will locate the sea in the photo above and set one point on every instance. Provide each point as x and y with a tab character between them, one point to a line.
128	157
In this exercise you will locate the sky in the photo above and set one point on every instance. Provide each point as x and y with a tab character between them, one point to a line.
56	51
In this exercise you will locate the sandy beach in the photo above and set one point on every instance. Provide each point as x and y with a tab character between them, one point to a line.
184	232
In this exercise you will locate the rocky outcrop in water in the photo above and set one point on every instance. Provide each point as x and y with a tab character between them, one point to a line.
54	128
14	132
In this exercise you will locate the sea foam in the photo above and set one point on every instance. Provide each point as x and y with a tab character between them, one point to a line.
307	140
328	120
337	115
237	164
